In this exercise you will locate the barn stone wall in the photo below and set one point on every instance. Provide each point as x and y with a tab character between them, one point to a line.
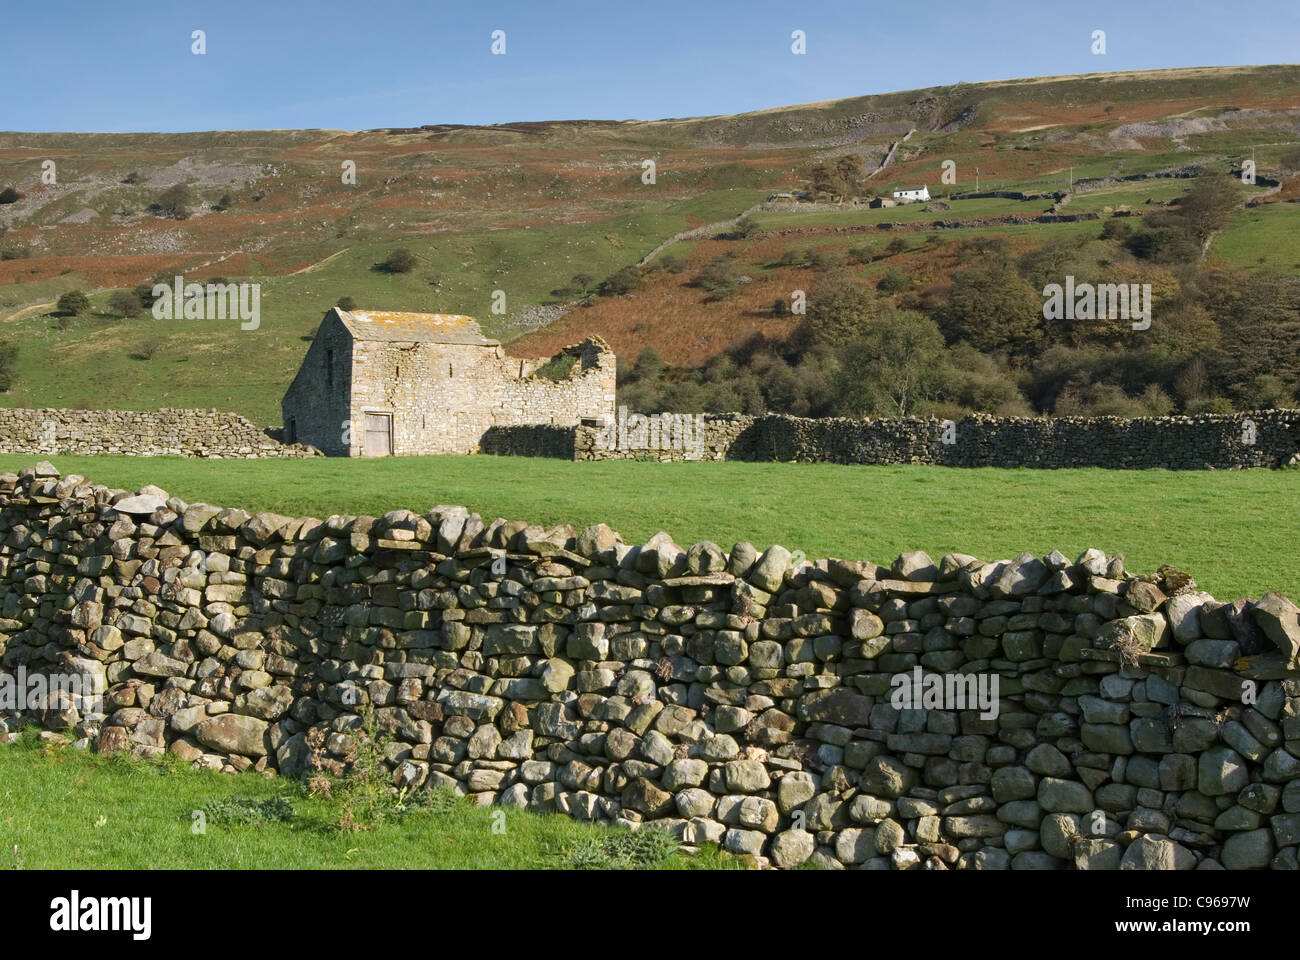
445	397
1033	713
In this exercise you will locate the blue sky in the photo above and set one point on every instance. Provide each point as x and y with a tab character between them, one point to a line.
123	65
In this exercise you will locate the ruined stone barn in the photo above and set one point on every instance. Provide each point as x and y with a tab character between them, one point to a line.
378	383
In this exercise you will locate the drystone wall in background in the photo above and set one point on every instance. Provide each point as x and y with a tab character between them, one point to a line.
1033	713
143	433
1264	438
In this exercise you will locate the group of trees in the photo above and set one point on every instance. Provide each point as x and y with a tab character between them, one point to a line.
120	303
178	201
1221	338
841	180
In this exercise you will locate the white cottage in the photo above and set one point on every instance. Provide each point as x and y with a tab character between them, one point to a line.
912	195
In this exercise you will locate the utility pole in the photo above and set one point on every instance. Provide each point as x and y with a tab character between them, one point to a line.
977	179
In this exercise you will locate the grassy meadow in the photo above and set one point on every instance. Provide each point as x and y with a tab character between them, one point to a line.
1234	531
62	808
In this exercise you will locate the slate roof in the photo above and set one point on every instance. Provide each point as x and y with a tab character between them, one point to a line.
413	327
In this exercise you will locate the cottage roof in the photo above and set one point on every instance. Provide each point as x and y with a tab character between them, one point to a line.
413	327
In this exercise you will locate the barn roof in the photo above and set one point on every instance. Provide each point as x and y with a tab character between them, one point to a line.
413	327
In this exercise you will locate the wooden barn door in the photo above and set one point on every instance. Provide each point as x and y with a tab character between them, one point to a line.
379	435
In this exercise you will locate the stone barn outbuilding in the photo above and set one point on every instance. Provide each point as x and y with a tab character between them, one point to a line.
379	383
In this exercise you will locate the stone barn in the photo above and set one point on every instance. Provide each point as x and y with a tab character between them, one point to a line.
377	383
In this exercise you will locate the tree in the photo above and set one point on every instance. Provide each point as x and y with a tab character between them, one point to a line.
622	282
893	281
144	292
124	303
10	195
992	308
840	314
821	180
848	171
225	202
649	365
892	369
72	303
1208	206
345	303
175	201
1259	316
400	260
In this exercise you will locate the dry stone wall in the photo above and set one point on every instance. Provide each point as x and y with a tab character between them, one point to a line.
1063	713
143	433
1262	438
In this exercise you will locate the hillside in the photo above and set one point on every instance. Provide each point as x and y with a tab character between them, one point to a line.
522	208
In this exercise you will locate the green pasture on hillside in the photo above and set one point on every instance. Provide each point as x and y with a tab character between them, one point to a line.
1234	531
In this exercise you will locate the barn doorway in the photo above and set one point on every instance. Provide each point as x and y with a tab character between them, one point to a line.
378	440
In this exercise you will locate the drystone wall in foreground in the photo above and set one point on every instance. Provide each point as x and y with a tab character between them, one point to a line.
1065	714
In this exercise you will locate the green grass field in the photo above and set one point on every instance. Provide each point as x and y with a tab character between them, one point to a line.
1234	531
62	808
1262	236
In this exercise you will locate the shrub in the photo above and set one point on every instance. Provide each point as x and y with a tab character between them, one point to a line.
668	263
124	303
72	303
148	349
10	195
622	282
893	281
346	303
1116	228
175	201
8	365
823	259
557	368
144	293
400	260
717	277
